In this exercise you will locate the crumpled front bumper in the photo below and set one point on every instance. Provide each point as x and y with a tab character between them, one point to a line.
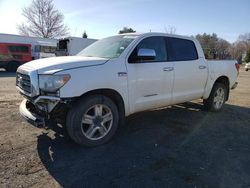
32	117
235	85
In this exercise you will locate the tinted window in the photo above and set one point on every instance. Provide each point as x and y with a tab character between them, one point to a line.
52	49
181	50
62	45
45	49
18	48
155	43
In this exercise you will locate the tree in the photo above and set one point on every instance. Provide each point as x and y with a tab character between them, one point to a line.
240	47
237	50
170	30
84	35
126	30
214	47
222	49
247	58
245	40
43	20
208	43
244	37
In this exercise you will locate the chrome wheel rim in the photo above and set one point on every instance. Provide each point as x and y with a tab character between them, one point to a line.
97	122
219	98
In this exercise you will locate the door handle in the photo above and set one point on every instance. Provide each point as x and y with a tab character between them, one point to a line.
202	67
168	69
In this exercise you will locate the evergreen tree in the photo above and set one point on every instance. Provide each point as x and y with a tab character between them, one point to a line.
84	35
247	58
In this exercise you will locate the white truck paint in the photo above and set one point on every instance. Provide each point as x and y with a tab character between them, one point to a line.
141	85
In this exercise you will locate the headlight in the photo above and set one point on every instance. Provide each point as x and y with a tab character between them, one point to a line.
52	83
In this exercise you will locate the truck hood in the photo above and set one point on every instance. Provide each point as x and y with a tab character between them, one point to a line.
55	64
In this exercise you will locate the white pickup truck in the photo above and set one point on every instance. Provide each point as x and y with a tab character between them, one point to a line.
118	76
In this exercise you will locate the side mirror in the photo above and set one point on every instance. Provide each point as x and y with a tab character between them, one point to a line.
146	54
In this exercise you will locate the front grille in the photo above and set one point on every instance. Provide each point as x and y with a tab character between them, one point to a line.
23	82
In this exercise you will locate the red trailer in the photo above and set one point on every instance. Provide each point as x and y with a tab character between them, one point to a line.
12	55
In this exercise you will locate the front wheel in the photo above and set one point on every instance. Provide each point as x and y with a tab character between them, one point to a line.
217	98
92	121
246	69
12	66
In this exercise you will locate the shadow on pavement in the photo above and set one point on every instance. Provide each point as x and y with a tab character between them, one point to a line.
180	146
6	74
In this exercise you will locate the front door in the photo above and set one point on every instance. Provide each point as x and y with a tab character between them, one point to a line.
151	81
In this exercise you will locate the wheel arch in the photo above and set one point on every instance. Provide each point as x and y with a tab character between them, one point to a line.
114	95
223	80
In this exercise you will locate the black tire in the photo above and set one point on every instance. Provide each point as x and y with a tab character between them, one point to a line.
74	120
246	69
209	104
12	66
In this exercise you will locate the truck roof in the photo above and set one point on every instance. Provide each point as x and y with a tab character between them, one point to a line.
197	44
159	34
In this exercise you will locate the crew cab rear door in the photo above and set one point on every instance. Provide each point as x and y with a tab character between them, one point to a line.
190	71
150	81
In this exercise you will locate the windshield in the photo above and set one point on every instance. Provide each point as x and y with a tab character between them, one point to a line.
110	47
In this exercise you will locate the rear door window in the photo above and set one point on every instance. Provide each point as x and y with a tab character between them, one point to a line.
181	50
19	48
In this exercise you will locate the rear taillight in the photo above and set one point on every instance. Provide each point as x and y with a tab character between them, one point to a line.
237	66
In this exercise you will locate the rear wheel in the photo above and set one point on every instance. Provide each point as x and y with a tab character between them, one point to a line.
217	98
12	66
93	121
246	69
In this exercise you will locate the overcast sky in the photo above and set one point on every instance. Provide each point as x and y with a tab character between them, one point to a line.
101	18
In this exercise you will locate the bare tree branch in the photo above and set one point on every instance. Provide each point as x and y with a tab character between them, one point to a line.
43	20
170	30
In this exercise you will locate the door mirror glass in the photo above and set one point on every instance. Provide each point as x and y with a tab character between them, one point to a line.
146	54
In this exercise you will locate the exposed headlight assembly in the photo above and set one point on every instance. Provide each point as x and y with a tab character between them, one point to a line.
51	83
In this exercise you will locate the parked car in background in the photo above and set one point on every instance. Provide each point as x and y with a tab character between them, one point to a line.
247	66
72	45
12	55
119	76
